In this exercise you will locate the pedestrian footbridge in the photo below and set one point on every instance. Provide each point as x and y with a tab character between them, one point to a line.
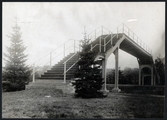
123	38
105	43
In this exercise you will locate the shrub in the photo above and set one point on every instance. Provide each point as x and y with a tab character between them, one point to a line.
6	86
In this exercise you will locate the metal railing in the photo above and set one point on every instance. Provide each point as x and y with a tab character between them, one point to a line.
98	32
65	67
75	47
122	28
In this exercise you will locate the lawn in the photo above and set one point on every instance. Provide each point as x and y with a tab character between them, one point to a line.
49	99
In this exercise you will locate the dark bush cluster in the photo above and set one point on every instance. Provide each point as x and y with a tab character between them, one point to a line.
14	82
8	86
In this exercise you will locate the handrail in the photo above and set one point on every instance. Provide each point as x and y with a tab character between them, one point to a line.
49	61
53	50
65	66
106	28
70	58
144	46
130	34
94	30
105	38
71	66
65	49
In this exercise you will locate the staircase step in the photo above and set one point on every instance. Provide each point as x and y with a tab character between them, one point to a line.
60	66
59	71
56	75
56	72
56	78
67	63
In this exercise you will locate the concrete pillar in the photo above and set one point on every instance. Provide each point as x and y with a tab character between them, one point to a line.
116	68
116	89
104	63
139	75
152	75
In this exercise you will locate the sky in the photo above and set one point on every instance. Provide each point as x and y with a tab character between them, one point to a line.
47	25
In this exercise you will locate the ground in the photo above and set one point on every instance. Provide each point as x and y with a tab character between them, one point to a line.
48	99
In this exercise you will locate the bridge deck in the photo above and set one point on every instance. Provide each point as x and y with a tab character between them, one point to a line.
128	45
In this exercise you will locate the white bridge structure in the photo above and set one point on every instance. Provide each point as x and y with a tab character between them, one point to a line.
105	42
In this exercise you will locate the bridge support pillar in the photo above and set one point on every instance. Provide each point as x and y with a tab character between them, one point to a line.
116	89
104	63
139	75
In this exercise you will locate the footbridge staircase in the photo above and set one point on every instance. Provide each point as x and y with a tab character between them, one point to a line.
105	42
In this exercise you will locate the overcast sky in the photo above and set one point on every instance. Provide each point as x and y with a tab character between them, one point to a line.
45	26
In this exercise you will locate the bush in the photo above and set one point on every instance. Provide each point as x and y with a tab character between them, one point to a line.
14	82
7	86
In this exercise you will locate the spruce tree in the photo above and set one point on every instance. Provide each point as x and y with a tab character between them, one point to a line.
89	73
16	71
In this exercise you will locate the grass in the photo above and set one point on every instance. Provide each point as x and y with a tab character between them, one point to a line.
34	103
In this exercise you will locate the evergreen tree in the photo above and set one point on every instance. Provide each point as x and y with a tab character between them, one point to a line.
89	73
16	70
160	67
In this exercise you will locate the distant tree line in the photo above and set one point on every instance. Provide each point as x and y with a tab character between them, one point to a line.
131	75
126	76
